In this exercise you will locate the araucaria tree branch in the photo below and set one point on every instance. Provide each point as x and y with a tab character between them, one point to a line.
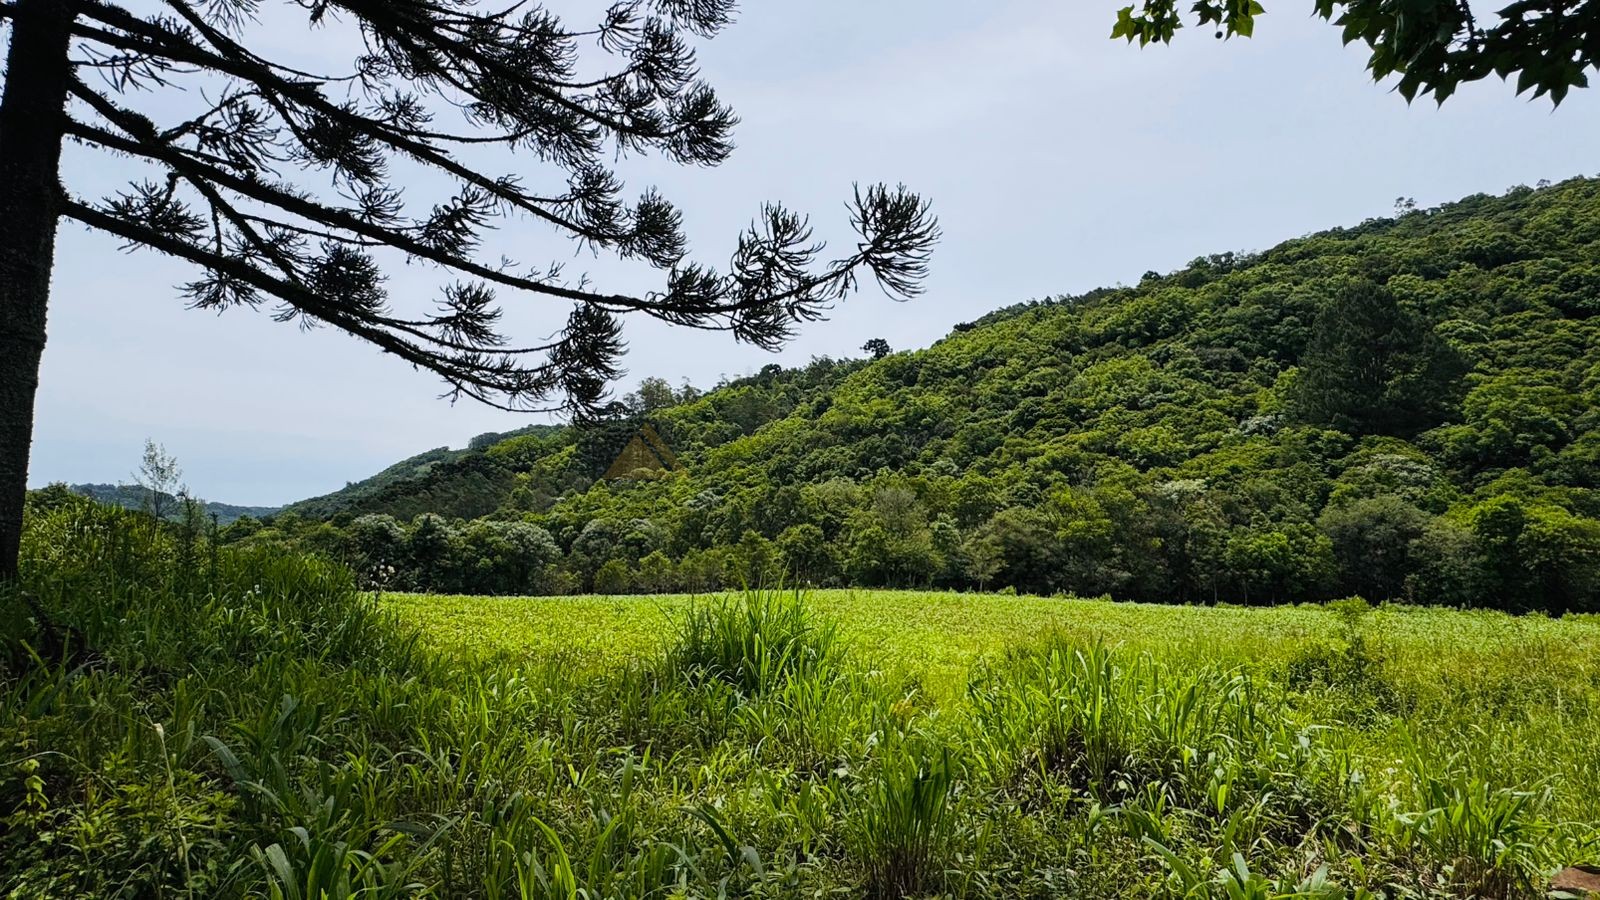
283	186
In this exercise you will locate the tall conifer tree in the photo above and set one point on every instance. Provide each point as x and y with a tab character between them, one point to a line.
286	187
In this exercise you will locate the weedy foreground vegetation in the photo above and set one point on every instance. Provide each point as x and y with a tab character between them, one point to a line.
179	720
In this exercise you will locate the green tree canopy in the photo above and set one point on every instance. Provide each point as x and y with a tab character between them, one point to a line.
1433	45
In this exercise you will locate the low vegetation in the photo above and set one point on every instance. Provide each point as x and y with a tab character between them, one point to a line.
179	719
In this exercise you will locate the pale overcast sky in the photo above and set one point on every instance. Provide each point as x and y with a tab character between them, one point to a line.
1057	161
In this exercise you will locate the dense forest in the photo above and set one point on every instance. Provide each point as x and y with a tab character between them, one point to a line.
1405	409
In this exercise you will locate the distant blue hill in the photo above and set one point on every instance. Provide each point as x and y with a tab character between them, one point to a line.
131	496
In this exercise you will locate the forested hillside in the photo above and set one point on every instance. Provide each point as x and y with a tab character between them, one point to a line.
132	496
1403	409
444	481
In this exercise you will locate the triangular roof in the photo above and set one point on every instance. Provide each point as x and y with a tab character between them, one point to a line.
645	451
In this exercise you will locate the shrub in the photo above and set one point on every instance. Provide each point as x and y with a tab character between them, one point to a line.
613	578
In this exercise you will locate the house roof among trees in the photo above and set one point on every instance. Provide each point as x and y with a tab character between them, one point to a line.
646	451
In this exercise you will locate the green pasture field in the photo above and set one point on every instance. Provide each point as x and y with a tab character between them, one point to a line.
250	724
1515	698
938	636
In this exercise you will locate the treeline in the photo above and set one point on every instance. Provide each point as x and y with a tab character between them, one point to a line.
1174	542
1402	410
130	496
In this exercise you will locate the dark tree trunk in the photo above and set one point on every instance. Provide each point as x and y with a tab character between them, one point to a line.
32	116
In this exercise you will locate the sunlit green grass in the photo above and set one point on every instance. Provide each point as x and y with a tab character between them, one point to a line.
940	635
1513	698
246	724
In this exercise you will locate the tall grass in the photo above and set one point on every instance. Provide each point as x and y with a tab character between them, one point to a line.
758	642
179	722
904	826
